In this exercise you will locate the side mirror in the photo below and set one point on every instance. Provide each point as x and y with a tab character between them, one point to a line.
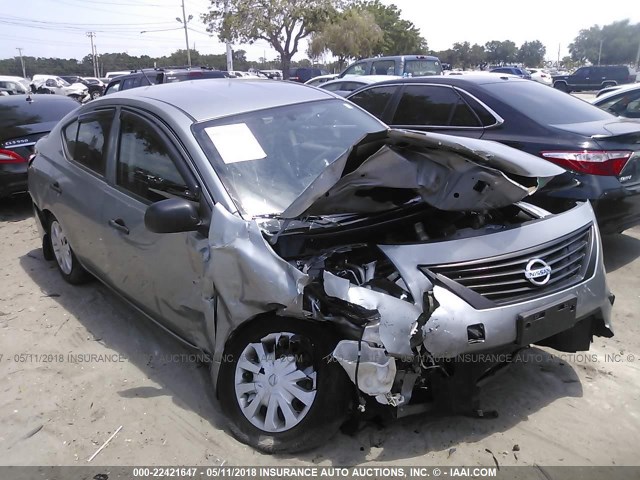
172	216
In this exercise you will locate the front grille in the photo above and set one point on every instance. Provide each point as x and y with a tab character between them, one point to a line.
502	279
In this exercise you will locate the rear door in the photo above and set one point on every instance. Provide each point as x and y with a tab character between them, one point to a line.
160	273
78	182
435	108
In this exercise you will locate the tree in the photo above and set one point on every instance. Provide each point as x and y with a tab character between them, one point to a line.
477	55
282	23
399	36
531	54
354	34
501	52
615	43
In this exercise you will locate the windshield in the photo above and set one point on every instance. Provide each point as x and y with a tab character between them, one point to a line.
267	158
542	104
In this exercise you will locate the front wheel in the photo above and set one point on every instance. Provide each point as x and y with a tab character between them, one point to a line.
95	95
278	387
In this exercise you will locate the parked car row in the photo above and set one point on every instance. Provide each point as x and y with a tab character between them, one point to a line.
417	221
598	150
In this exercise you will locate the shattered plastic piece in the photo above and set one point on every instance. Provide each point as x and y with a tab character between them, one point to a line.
376	371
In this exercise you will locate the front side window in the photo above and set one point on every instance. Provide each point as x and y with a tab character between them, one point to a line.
267	158
114	87
128	83
357	69
625	105
86	140
425	105
374	100
146	165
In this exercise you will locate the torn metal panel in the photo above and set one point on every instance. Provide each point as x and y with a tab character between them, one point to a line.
376	370
246	277
396	316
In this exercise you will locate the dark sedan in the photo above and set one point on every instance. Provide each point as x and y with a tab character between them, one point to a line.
23	120
600	152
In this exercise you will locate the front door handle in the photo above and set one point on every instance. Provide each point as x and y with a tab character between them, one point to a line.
55	186
119	225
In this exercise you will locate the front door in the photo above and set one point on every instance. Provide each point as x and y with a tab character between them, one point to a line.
160	273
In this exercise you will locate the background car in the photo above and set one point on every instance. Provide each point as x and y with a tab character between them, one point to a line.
315	81
517	71
56	85
302	74
14	85
344	86
23	120
621	102
96	88
594	78
399	65
540	75
599	150
153	76
312	254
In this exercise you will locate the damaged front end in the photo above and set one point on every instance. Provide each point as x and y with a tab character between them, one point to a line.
418	250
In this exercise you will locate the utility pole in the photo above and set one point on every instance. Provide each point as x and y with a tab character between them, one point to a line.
186	31
95	48
229	52
558	64
93	53
24	72
600	52
638	57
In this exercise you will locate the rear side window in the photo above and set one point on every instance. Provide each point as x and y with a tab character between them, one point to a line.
425	105
128	83
486	118
544	105
86	140
374	100
145	164
383	67
626	105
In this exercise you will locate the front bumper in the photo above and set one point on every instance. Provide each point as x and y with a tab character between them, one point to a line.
455	327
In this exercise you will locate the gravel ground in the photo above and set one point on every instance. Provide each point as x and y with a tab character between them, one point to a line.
60	404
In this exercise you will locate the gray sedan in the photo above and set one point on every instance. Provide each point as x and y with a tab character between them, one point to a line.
326	265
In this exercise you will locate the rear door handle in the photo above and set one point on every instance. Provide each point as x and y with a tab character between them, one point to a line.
55	186
119	225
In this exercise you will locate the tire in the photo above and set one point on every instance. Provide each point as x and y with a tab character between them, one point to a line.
66	260
95	95
561	86
296	425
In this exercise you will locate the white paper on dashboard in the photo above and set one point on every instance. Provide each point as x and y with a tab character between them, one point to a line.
235	143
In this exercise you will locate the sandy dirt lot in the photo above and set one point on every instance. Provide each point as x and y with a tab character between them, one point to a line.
59	404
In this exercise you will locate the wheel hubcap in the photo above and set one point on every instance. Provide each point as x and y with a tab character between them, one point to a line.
61	247
275	383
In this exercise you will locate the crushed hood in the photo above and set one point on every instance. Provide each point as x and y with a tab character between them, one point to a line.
389	168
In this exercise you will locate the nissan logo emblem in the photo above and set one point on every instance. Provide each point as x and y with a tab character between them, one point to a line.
538	272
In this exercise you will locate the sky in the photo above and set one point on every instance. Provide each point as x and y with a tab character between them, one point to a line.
57	28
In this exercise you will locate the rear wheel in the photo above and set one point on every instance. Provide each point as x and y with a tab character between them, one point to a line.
278	388
95	95
68	264
561	86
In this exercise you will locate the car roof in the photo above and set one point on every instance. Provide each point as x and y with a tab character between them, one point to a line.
621	90
206	99
459	80
368	79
